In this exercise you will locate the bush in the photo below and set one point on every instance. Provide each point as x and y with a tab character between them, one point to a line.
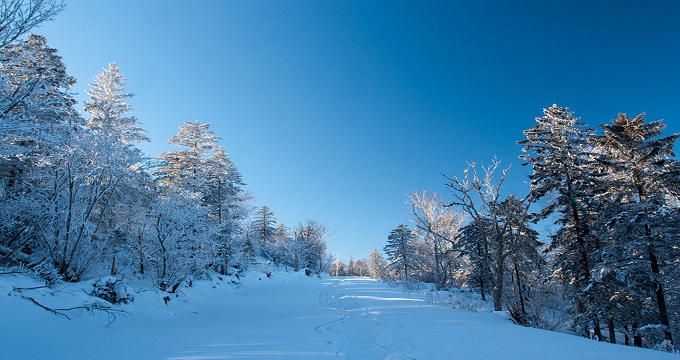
112	290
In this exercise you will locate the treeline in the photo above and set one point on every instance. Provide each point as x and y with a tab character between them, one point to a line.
374	266
80	199
613	258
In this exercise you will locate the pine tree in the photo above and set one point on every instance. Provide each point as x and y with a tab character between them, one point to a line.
188	168
264	228
108	109
36	105
114	134
401	251
203	168
563	171
640	220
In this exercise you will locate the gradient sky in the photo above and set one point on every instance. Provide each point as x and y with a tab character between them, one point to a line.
336	110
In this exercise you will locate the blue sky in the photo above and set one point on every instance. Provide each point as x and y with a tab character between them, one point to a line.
336	110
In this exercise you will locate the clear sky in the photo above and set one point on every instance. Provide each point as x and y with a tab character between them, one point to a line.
336	110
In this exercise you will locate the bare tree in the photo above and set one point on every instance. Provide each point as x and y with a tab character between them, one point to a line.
501	226
438	225
18	17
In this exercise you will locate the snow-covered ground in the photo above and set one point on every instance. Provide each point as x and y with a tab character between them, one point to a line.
287	316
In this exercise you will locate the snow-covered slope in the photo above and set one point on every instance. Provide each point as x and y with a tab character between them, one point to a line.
287	316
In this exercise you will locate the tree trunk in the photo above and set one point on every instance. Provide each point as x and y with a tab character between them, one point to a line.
637	339
660	298
497	294
597	330
481	286
612	332
519	291
113	266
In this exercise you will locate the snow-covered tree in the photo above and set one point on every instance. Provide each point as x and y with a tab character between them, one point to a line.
36	105
376	264
264	228
308	247
223	194
279	250
204	168
44	141
438	225
498	226
640	213
18	17
109	111
179	246
188	168
401	251
564	177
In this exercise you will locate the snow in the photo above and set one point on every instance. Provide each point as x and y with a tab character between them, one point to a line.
287	316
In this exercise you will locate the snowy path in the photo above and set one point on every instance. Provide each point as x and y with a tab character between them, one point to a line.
288	317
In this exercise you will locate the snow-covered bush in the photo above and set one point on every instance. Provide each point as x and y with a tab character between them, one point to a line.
112	290
46	271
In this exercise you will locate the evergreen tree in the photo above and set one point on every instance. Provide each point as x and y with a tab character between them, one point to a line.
639	212
563	172
114	134
264	228
107	108
36	105
188	167
401	251
203	168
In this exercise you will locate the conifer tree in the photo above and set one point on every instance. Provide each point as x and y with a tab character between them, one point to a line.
560	156
401	251
109	111
638	212
264	228
187	168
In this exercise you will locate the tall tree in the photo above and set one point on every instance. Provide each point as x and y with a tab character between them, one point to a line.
561	160
203	168
641	215
108	109
114	134
42	139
